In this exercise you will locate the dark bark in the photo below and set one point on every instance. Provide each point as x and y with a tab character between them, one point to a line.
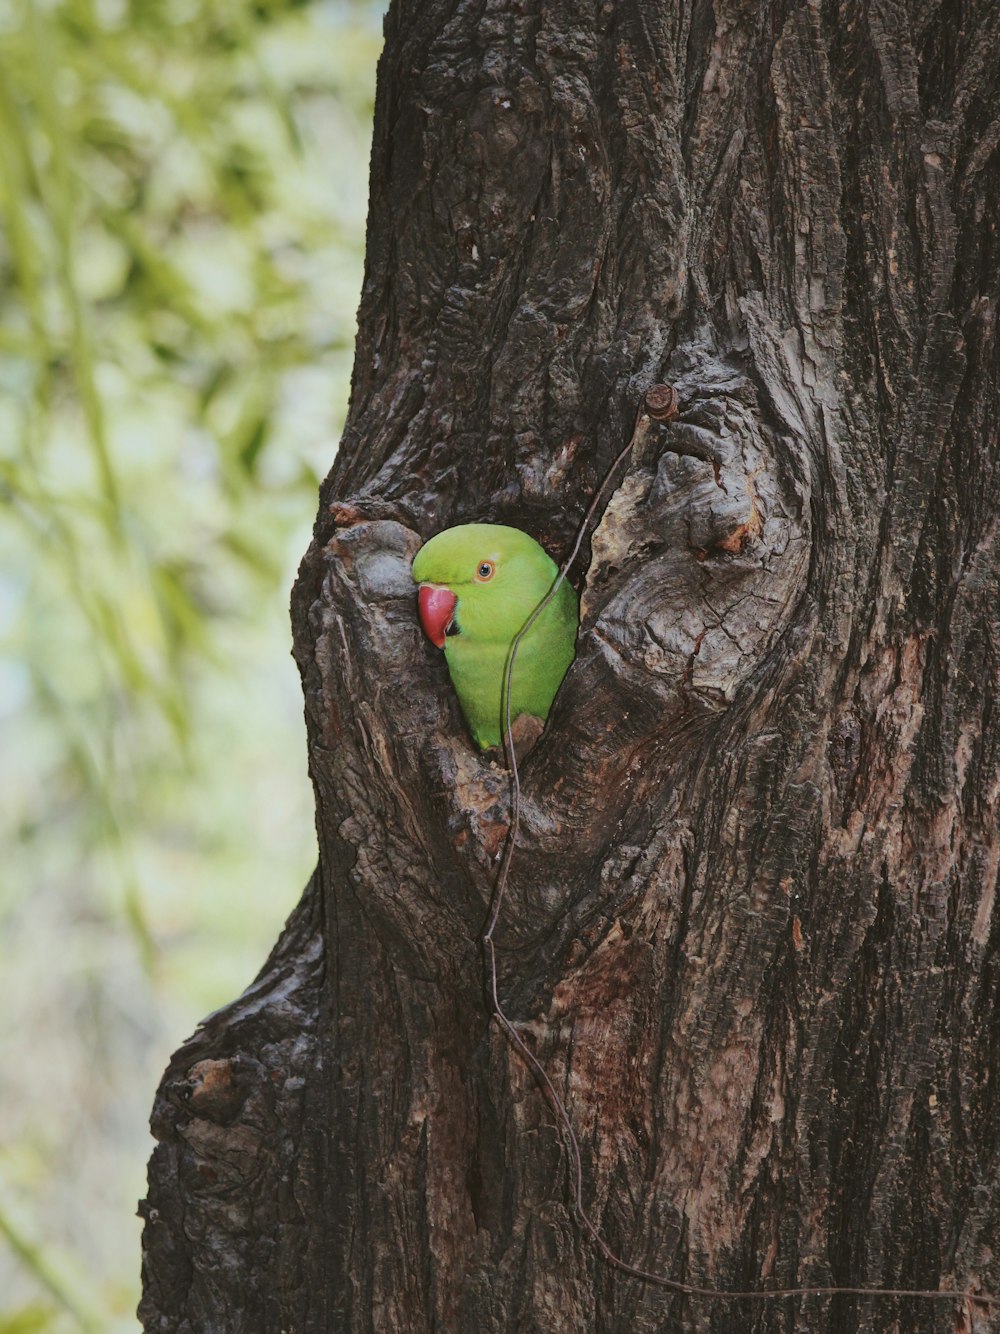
751	930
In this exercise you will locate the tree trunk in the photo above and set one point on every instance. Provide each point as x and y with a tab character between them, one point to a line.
751	929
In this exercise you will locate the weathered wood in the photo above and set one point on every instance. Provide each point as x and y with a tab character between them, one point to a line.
751	929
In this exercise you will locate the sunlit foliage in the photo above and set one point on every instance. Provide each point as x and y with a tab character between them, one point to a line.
182	196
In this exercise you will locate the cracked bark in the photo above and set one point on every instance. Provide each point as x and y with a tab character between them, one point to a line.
751	930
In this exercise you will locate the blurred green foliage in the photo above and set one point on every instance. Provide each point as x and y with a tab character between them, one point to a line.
182	201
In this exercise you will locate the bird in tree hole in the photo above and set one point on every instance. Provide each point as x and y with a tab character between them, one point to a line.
478	585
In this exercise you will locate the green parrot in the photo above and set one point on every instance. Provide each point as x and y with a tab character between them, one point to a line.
478	585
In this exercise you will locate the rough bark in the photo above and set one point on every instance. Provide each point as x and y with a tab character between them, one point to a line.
752	929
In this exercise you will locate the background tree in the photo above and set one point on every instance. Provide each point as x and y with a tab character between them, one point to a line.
183	191
751	928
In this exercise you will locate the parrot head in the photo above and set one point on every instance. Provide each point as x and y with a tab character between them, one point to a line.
480	580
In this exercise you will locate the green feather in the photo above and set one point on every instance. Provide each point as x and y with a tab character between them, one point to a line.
488	616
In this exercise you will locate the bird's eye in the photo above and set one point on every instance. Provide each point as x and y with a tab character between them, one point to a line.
485	571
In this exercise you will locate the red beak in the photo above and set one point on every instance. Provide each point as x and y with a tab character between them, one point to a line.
436	606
